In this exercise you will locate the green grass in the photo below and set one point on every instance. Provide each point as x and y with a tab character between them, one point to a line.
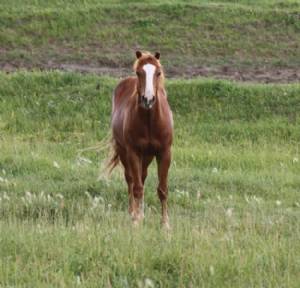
234	188
188	33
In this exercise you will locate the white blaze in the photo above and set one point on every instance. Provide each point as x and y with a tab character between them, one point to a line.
149	91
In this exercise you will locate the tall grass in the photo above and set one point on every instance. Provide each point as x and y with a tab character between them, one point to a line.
234	188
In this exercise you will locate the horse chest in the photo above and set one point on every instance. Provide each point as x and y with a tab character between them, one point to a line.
148	131
149	138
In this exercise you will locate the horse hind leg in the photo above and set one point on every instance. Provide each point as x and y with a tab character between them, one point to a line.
145	163
129	180
135	168
163	163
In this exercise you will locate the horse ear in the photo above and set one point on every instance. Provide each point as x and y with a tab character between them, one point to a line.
138	54
157	55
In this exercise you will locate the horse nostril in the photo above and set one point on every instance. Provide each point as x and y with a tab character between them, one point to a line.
147	102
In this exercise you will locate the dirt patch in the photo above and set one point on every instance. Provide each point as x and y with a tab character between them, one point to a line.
259	75
249	74
110	71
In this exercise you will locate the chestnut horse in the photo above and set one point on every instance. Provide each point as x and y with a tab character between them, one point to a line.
142	128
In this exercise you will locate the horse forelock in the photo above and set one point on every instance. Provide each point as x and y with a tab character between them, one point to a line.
146	58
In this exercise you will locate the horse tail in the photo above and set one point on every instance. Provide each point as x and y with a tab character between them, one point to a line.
114	158
107	145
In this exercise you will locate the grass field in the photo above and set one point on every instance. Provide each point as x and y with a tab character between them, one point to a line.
194	37
235	176
234	188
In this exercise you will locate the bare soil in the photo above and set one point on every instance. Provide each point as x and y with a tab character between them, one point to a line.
249	74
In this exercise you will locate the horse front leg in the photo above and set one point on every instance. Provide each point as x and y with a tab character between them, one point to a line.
130	192
135	166
163	163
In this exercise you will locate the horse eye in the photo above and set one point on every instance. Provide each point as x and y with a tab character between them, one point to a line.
158	74
138	73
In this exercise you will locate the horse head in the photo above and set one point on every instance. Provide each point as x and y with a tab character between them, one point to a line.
149	78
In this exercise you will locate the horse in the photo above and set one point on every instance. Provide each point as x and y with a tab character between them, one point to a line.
142	129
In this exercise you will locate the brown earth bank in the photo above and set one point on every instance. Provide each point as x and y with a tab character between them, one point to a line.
261	74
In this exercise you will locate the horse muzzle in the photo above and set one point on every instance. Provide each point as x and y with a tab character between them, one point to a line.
147	103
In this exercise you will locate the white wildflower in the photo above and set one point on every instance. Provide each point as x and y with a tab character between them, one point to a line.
211	270
40	229
229	212
256	199
174	164
28	197
42	194
199	194
295	160
100	199
278	202
83	160
5	196
97	201
149	283
88	194
56	165
215	170
34	155
28	194
182	193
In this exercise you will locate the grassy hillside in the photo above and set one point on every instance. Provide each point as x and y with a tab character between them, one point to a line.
190	34
234	179
234	188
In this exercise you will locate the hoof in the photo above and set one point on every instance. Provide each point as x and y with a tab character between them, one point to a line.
135	223
137	219
166	226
